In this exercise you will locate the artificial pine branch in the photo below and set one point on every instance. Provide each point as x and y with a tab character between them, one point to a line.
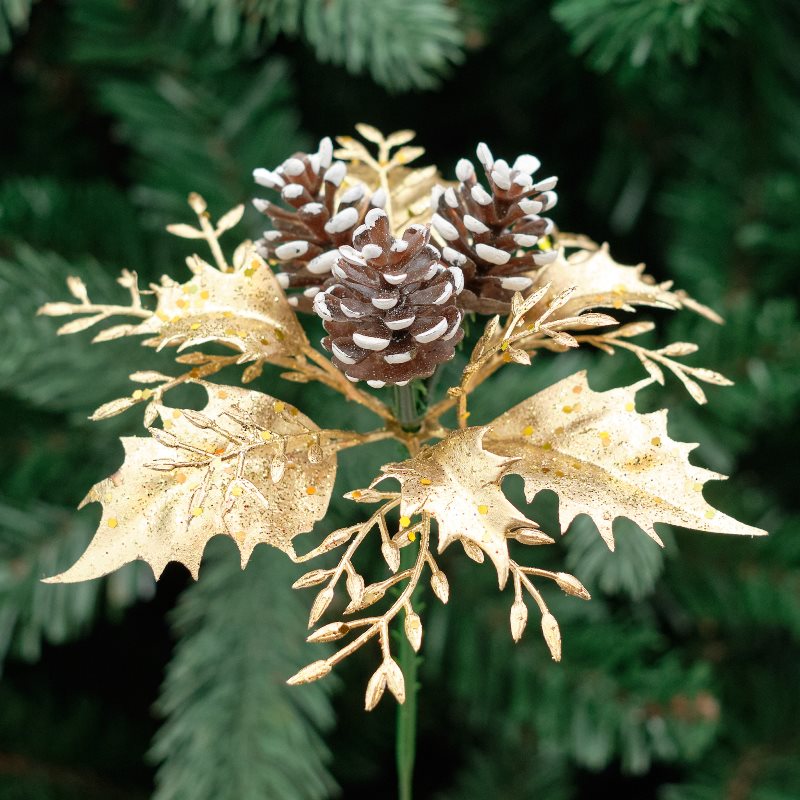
237	639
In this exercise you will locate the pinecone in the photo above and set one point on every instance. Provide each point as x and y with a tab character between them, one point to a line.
391	313
494	236
320	218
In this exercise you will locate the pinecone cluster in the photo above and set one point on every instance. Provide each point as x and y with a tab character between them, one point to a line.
494	236
390	312
319	219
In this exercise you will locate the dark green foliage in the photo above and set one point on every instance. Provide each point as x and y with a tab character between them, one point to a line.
38	541
198	118
234	728
62	374
619	33
13	17
632	569
675	129
401	45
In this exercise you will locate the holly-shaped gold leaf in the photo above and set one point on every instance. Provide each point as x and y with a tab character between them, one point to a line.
245	309
246	466
604	459
600	282
457	481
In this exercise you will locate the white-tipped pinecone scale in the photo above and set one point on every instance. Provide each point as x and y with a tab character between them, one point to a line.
495	235
320	217
391	314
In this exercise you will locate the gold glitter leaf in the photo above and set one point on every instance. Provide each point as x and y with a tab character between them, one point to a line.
208	474
600	282
458	482
244	309
604	459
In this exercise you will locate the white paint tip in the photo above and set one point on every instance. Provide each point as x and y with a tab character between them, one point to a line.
445	229
446	294
290	250
373	215
341	355
480	195
399	324
292	191
492	254
484	155
335	173
433	333
323	263
547	257
265	177
516	283
530	206
372	251
342	220
349	312
378	199
524	180
398	358
384	303
294	167
452	332
474	225
321	307
546	185
501	179
325	152
464	170
527	163
351	254
458	279
525	240
353	194
453	256
549	199
371	342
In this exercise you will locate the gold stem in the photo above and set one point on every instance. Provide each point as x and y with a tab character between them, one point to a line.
112	311
532	590
396	606
213	242
356	542
354	440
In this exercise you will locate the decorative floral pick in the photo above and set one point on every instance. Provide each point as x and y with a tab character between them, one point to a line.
392	258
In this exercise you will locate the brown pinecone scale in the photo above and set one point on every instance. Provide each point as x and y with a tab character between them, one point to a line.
319	218
390	312
495	236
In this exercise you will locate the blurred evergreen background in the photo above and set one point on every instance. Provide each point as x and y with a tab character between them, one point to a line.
674	126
